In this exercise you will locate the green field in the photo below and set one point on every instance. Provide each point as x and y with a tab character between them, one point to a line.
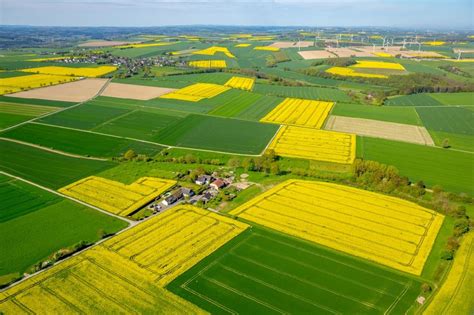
32	101
435	166
15	113
46	168
421	99
458	120
78	142
261	272
307	92
45	228
456	141
219	134
213	77
140	124
403	115
466	98
86	116
237	104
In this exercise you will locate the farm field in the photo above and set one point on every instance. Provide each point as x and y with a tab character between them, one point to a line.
196	92
27	82
458	120
456	141
300	112
28	162
402	115
240	83
313	93
384	229
78	142
14	113
454	297
218	134
237	103
314	144
380	129
73	71
262	272
32	220
466	98
136	92
34	101
77	91
117	197
434	166
96	281
208	64
421	99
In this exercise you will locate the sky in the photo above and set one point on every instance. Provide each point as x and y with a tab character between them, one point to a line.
446	14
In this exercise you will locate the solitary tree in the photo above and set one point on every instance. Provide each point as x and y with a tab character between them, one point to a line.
446	144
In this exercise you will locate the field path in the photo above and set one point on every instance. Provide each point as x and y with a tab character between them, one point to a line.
53	150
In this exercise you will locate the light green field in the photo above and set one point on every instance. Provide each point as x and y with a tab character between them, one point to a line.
403	115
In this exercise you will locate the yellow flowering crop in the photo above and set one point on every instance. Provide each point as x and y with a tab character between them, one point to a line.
146	45
266	48
376	37
455	295
211	51
208	64
378	65
240	83
314	144
299	112
97	281
242	45
196	92
348	72
241	35
384	229
116	197
169	244
434	43
26	82
70	71
261	38
383	54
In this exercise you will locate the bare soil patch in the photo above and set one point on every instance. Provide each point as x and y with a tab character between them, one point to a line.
78	91
380	129
348	52
316	54
292	44
135	92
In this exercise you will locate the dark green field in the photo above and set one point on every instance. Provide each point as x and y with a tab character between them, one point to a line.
237	104
403	115
448	119
32	101
466	98
413	100
314	93
45	228
46	168
435	166
78	142
219	134
261	272
86	116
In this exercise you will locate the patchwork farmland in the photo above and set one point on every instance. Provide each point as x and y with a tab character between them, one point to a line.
241	170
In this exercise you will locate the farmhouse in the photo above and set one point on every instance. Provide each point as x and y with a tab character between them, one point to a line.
203	180
218	184
175	196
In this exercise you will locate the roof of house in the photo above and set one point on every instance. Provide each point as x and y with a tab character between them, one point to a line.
218	183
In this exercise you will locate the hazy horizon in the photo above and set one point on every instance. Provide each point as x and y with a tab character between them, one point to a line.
457	14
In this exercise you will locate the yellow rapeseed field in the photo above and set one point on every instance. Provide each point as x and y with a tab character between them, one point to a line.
384	229
348	72
208	64
261	38
70	71
240	83
455	295
97	281
434	43
144	45
27	82
211	51
196	92
299	112
378	65
266	48
242	45
171	243
116	197
314	144
240	35
383	54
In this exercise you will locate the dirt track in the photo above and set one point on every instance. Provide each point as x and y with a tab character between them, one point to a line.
380	129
